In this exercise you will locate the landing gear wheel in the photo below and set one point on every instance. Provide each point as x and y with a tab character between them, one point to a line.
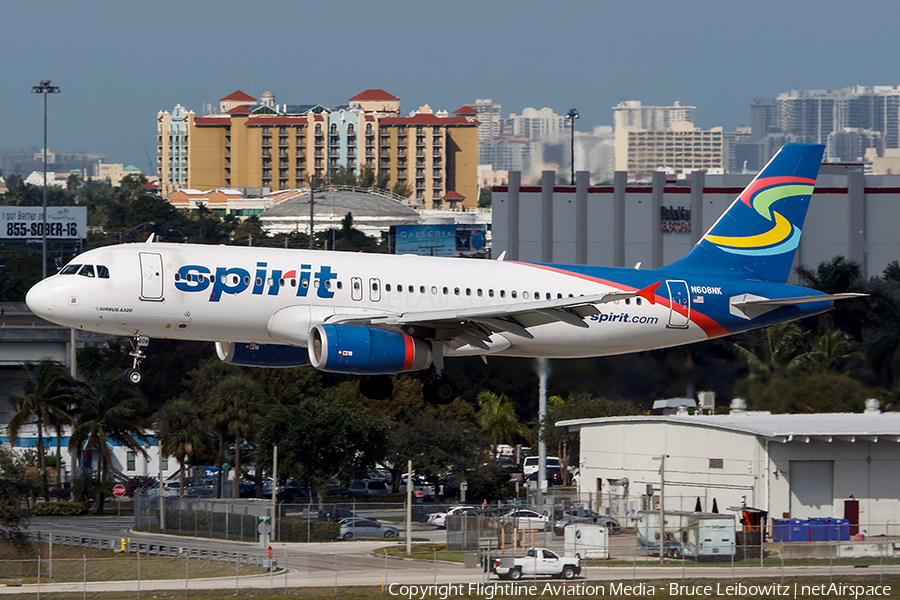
376	387
138	343
439	390
132	376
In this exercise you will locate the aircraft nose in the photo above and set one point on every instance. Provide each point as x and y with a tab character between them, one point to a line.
40	298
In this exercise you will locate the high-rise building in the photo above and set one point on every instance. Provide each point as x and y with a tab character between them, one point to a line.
488	118
536	125
649	138
250	144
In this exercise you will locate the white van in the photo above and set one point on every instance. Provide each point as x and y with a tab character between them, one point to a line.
531	464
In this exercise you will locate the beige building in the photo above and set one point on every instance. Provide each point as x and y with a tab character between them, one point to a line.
278	147
683	148
116	172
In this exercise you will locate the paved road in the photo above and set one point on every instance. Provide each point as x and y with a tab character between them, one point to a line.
349	564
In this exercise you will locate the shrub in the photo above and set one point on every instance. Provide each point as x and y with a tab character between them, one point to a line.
60	509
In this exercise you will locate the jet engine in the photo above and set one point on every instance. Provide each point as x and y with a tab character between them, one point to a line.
366	350
262	355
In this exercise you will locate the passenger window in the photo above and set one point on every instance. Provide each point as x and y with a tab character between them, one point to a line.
87	271
434	289
478	292
411	289
293	282
456	291
421	289
70	269
491	292
627	300
259	281
513	293
399	288
246	280
446	291
387	287
201	278
525	295
177	277
503	293
340	285
637	301
235	279
102	272
468	291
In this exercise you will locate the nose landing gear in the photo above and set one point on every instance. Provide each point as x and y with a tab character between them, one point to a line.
133	374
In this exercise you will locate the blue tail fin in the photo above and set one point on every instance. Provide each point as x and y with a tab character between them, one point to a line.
757	237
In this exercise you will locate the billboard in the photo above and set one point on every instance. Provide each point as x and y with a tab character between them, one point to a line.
26	222
438	240
424	240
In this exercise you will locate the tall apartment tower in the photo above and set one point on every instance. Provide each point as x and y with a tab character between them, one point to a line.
264	145
648	138
763	118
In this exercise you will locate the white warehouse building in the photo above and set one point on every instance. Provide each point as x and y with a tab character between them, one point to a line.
792	466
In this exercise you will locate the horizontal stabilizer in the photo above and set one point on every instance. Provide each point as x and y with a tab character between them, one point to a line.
749	306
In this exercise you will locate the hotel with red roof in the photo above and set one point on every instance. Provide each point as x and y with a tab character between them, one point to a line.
250	143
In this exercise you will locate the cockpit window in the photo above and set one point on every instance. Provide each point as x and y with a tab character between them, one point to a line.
102	272
87	271
70	269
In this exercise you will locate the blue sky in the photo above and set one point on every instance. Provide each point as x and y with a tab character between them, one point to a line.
118	63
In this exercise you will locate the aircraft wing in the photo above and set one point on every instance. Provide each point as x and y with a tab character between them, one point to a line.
474	325
749	306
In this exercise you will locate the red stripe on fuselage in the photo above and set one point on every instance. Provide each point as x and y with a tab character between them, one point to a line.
410	352
711	328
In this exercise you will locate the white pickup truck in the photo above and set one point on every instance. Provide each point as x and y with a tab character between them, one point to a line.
537	561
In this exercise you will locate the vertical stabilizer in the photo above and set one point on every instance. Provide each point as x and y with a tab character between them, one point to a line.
758	236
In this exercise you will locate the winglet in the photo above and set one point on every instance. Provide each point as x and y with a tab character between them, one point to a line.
502	256
649	292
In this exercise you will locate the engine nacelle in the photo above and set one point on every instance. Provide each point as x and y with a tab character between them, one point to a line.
366	350
262	355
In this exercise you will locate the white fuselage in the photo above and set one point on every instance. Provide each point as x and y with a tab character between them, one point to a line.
232	294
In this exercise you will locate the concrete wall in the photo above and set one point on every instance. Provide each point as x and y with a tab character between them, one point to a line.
624	228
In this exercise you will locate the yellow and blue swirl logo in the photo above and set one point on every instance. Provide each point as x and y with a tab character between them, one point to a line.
783	236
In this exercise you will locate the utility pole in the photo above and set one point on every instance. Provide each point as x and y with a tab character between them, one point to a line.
45	88
312	196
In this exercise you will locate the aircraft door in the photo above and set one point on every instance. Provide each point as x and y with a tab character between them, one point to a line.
374	289
356	289
151	276
680	304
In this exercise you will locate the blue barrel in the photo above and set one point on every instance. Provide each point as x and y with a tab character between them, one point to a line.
790	530
822	529
843	529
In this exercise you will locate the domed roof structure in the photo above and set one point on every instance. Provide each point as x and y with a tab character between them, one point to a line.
373	211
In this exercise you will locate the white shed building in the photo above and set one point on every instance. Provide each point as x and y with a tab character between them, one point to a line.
796	466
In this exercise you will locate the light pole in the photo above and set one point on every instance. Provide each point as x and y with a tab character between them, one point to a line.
45	88
127	231
571	116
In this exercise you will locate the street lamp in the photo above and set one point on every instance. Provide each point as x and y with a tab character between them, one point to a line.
127	231
571	116
45	88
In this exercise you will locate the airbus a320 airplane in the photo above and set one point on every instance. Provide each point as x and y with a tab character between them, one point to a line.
375	315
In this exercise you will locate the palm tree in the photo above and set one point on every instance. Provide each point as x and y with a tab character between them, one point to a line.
498	420
47	400
235	402
179	424
110	412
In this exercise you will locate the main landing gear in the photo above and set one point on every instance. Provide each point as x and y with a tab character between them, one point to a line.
438	388
138	343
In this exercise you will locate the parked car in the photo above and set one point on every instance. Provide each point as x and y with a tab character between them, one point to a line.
554	476
581	515
531	464
439	519
369	487
525	519
358	528
292	495
335	514
198	491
